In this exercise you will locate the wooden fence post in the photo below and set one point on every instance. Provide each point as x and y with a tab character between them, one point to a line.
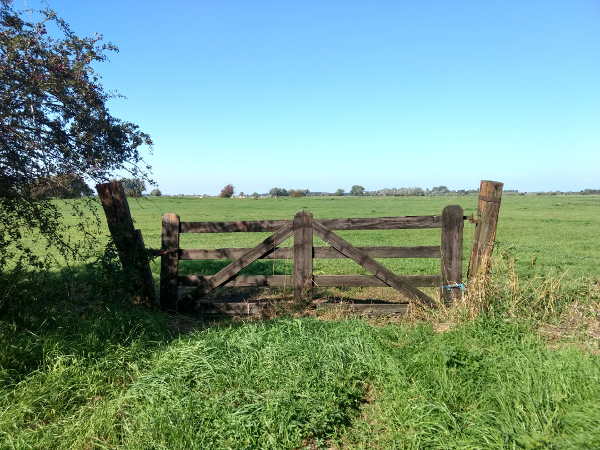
452	251
490	195
169	262
129	242
303	256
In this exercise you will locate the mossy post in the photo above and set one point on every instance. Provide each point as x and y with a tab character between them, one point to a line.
490	195
128	240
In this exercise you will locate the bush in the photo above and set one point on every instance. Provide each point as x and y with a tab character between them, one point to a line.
155	193
227	191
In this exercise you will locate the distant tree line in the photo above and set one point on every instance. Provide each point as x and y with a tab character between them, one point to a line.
64	186
358	191
282	192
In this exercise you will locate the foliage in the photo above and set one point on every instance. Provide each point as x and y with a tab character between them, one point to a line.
440	190
357	190
227	191
155	193
254	195
339	192
298	192
54	123
402	192
278	192
133	187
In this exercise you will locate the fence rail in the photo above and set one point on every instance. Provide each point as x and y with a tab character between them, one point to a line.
366	223
430	251
303	227
318	280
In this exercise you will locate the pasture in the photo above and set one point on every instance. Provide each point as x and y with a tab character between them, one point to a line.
91	371
545	235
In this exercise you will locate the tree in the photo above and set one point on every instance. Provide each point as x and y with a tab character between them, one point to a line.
339	192
357	190
133	187
155	193
439	190
296	193
227	191
278	192
255	195
53	123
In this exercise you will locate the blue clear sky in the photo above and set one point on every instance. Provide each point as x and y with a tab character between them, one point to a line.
326	94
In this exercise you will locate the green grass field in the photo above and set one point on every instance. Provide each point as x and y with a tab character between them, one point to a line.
81	368
545	235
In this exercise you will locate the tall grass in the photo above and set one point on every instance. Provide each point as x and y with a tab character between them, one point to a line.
119	379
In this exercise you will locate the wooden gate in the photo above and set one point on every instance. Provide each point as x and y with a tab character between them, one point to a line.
303	252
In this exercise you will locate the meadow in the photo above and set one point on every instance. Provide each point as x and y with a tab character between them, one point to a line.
545	235
513	365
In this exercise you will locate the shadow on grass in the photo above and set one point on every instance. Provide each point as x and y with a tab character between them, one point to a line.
86	313
71	312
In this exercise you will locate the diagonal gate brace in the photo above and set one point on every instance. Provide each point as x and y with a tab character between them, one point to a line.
227	273
364	260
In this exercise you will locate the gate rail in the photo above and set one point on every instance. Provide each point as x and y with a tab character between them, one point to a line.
303	252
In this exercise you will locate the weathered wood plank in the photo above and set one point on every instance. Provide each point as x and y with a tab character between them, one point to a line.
118	218
128	241
428	251
319	281
248	309
303	256
372	266
243	226
488	209
382	223
375	309
123	214
452	250
373	281
363	223
424	251
225	274
107	204
169	262
148	287
230	309
240	281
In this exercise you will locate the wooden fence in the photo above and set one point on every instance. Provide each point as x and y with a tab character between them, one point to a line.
133	254
302	228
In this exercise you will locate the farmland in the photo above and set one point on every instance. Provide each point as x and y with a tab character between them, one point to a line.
81	371
545	235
